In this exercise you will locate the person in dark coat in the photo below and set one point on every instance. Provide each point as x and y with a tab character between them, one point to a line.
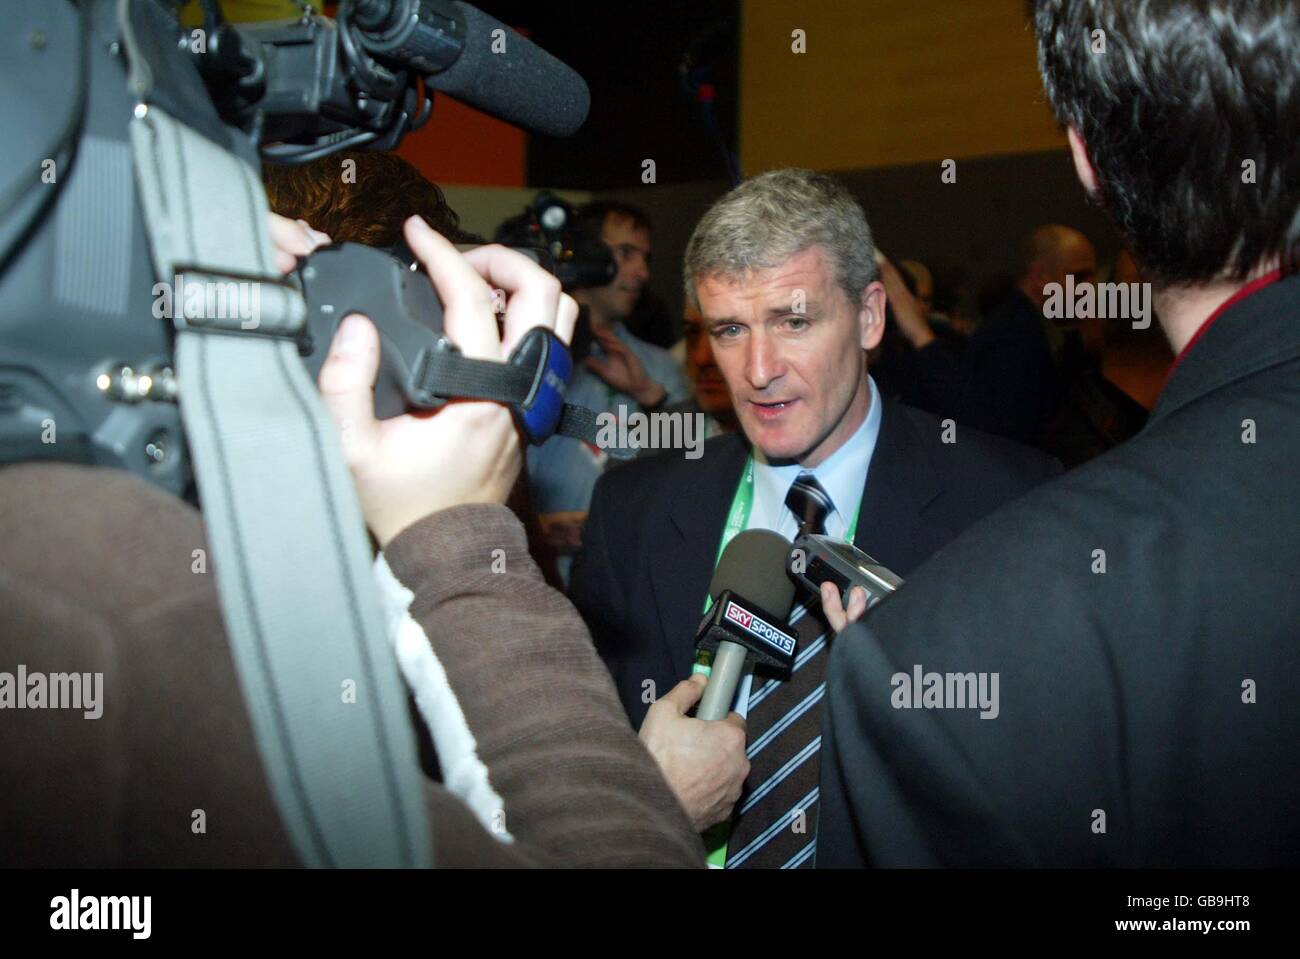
1104	672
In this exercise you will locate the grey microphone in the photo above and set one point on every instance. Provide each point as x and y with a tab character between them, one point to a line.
751	600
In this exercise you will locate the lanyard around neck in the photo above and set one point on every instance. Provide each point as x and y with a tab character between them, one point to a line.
742	504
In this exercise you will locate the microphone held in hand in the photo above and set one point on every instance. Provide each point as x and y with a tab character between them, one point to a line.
747	621
817	559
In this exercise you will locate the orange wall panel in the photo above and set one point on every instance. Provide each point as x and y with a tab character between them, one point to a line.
462	145
886	83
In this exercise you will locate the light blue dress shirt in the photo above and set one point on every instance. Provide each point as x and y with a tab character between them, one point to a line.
843	475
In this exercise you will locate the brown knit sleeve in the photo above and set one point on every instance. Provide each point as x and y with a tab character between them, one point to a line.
578	787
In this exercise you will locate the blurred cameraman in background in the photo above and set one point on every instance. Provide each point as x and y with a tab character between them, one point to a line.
617	373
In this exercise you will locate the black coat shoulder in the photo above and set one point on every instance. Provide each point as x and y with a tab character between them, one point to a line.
657	477
969	452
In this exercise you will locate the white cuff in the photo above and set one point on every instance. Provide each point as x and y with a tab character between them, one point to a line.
463	772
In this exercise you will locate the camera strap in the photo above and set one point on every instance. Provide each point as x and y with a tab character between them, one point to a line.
421	368
289	548
531	383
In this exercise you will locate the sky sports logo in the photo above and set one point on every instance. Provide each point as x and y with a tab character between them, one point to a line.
764	631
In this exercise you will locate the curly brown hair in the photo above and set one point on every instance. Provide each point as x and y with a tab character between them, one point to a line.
369	207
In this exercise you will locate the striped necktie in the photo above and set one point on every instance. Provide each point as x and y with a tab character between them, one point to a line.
809	503
776	822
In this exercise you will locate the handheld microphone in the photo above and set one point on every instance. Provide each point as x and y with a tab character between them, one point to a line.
816	559
746	623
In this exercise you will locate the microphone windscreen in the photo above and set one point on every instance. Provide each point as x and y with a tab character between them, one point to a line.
513	79
753	565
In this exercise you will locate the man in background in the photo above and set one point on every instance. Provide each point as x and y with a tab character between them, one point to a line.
617	373
709	396
1008	379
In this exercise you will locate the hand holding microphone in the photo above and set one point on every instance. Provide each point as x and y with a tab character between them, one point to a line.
751	599
848	581
704	762
703	758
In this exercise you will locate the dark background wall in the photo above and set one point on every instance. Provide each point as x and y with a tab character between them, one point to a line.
955	80
970	229
630	53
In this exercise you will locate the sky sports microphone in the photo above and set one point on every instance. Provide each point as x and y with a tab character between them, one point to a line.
747	621
477	59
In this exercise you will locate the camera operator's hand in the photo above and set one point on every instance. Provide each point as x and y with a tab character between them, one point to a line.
468	452
291	239
621	369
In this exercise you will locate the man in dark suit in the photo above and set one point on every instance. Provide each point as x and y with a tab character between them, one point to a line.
783	270
1010	377
1136	622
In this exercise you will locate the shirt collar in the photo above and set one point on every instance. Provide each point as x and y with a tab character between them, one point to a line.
843	474
1254	286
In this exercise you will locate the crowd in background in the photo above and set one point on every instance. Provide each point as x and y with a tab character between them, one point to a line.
986	355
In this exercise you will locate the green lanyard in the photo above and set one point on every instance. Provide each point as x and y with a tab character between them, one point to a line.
737	519
742	504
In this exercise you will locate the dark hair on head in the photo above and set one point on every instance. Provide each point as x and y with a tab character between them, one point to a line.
1185	92
387	190
591	217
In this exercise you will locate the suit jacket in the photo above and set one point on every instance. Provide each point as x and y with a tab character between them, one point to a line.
651	538
1004	381
1143	616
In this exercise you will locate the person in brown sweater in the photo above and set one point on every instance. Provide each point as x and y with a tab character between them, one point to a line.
102	573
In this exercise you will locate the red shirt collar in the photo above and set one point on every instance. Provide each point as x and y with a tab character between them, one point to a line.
1254	286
